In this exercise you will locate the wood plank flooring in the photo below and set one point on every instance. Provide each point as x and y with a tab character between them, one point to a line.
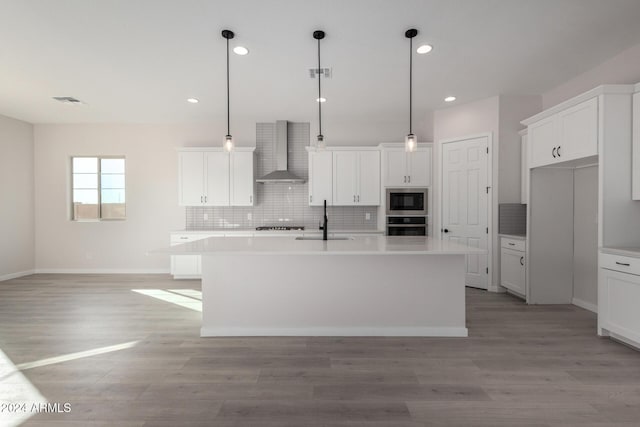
522	365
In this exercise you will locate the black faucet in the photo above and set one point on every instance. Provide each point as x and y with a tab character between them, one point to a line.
323	227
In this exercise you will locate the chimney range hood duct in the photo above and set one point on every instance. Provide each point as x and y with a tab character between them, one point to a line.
281	174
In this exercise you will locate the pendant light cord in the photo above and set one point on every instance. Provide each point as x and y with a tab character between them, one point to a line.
319	92
410	83
228	121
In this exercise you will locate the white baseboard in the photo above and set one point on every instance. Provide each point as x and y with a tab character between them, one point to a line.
584	304
102	271
16	275
336	332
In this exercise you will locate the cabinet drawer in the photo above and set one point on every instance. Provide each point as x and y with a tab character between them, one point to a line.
515	244
620	263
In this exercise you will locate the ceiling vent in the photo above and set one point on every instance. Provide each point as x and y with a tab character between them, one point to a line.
68	100
326	72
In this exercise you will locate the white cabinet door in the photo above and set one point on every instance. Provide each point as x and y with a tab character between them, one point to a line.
395	168
345	178
368	178
618	298
543	142
186	266
512	270
191	189
217	178
635	173
242	180
524	171
419	167
320	178
578	131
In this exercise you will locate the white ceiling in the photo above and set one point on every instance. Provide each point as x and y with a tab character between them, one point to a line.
136	61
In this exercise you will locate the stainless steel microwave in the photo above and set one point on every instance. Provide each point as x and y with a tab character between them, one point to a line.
407	201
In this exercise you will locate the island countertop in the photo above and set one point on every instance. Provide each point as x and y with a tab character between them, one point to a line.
357	245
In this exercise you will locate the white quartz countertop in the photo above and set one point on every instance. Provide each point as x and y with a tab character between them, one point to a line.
288	245
308	231
622	251
514	236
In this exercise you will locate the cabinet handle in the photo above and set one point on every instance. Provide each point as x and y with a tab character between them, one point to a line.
201	199
558	150
521	260
250	199
512	244
405	179
623	263
358	198
409	179
183	238
205	199
553	152
354	198
310	198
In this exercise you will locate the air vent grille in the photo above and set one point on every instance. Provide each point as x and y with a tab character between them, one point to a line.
68	100
326	72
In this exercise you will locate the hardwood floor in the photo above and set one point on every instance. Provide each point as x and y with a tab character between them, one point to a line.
521	365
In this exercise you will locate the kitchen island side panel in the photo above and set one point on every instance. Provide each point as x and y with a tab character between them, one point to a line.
333	295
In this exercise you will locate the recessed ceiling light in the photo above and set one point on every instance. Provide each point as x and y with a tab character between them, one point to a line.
192	100
321	99
240	50
425	48
450	99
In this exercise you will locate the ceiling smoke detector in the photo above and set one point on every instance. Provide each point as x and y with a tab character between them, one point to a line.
68	100
325	71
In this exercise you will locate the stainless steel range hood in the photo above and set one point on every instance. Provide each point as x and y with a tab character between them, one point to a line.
281	174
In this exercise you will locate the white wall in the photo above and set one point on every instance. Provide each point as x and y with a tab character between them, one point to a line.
623	68
152	200
16	190
585	236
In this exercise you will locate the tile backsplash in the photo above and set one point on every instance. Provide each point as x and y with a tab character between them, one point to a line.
281	203
512	218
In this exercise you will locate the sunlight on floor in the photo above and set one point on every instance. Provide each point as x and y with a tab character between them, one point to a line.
78	355
188	293
181	300
17	392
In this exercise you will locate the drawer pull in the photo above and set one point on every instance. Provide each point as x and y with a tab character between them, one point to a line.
512	244
623	263
521	260
184	238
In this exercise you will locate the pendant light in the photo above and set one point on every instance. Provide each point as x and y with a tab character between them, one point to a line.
320	144
228	139
410	141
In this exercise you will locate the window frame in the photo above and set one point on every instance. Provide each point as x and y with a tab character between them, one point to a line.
99	188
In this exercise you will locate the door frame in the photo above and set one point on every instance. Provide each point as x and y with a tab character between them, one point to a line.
492	222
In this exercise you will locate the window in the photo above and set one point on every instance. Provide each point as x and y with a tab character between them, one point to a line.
98	189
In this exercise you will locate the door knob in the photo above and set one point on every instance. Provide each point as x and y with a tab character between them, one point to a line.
446	230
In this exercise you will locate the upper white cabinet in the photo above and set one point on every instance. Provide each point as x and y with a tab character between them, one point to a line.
636	147
320	178
356	178
567	135
402	169
242	183
213	177
524	169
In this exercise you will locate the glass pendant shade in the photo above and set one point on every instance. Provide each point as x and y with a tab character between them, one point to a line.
410	143
320	144
228	143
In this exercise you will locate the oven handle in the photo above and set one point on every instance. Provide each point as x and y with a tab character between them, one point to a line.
407	225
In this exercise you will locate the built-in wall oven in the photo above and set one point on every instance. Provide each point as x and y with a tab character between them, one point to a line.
407	211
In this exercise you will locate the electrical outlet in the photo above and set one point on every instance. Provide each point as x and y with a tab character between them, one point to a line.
249	216
206	217
367	216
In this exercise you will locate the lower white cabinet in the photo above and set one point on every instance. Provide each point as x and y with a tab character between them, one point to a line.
186	266
619	298
512	265
524	169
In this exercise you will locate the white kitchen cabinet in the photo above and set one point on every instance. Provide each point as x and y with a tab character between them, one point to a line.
567	135
320	178
213	177
635	173
242	183
402	169
512	266
619	298
356	178
185	266
524	169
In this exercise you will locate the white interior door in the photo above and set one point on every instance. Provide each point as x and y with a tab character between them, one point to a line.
464	202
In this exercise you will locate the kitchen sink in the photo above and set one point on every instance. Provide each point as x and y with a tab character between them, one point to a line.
320	238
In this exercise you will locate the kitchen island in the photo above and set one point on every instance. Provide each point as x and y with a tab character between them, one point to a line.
361	286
